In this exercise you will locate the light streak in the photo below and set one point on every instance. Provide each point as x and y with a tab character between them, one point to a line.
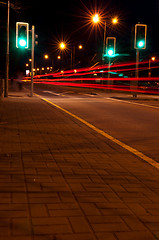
83	77
104	86
101	67
99	79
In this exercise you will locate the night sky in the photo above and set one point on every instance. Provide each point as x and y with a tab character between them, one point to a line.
69	20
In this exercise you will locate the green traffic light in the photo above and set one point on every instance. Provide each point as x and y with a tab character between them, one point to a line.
110	52
22	43
141	44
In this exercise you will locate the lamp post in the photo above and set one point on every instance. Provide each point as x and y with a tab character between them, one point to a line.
149	69
96	20
62	46
73	51
46	57
7	54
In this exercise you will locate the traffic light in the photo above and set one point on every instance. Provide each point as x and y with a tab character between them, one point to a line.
22	35
140	36
110	46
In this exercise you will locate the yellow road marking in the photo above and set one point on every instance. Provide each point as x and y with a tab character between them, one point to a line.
125	146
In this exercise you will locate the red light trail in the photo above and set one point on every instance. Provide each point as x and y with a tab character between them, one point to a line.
79	78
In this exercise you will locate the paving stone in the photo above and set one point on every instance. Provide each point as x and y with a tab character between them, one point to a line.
61	180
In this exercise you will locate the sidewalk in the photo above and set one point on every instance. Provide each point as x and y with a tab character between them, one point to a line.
60	180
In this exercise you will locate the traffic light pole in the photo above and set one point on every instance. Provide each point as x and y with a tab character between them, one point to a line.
7	54
136	74
134	83
32	62
109	82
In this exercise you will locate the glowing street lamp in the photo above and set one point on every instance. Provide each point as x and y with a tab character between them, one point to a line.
95	18
62	45
46	56
114	20
80	46
149	69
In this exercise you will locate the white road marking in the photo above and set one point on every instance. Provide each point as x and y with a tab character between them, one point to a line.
140	104
56	94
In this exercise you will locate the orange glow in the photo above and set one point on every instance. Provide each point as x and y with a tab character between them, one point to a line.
95	18
46	56
153	58
114	20
80	46
62	45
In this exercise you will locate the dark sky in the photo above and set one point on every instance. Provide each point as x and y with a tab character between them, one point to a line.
68	20
61	18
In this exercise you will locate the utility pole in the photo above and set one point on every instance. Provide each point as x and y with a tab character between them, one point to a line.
7	54
32	63
104	41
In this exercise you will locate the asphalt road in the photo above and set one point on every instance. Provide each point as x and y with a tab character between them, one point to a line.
134	122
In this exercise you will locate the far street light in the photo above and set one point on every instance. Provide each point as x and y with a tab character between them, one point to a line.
114	20
46	56
150	60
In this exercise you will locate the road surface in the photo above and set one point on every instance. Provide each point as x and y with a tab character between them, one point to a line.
134	123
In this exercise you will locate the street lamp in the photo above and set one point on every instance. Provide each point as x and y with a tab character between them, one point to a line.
95	18
73	51
150	60
46	56
62	45
114	20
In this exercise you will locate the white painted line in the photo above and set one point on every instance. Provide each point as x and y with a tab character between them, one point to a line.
139	104
56	94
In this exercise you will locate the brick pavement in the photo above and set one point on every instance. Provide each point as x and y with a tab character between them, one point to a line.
60	180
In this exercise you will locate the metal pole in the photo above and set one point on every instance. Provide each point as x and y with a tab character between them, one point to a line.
7	54
105	24
71	57
32	62
104	44
136	74
73	49
109	76
149	69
